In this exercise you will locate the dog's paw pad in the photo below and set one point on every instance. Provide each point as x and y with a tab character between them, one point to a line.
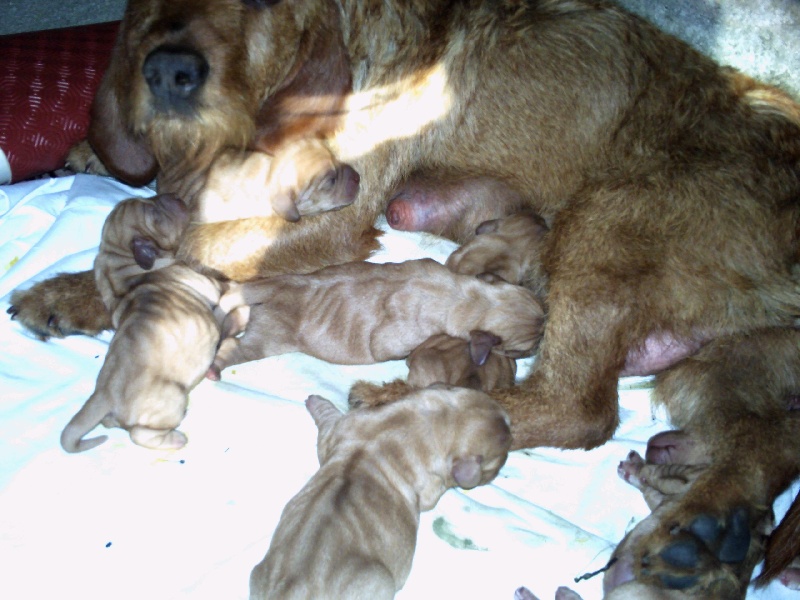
678	582
704	555
736	540
706	528
683	555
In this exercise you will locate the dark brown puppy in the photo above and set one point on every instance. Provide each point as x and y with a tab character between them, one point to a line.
670	185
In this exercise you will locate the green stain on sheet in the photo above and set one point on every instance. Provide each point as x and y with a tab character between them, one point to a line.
443	529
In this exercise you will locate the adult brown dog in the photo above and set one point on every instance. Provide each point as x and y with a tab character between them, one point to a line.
670	185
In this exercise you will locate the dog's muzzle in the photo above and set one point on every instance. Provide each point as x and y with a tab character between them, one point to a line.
174	75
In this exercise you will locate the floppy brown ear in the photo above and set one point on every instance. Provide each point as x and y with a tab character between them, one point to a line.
467	471
311	103
480	345
125	155
145	252
284	206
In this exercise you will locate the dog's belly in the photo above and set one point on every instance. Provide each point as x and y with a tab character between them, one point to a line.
659	352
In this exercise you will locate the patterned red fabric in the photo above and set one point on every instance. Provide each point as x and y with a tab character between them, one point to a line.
47	82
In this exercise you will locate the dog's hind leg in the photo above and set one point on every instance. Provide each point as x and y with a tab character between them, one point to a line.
735	395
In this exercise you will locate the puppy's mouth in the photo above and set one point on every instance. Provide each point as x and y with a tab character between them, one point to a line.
175	76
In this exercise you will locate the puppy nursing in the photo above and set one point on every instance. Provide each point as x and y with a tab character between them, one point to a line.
301	179
166	332
510	248
362	313
351	531
444	359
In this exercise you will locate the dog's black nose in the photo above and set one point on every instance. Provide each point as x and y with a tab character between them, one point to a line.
173	75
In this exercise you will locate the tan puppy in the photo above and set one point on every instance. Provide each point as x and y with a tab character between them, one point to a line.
166	332
510	248
351	531
445	359
302	178
362	313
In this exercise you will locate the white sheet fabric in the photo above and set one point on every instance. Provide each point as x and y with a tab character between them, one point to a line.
124	522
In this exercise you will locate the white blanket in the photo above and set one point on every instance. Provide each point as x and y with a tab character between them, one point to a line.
124	522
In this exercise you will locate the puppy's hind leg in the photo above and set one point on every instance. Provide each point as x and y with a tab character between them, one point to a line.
157	439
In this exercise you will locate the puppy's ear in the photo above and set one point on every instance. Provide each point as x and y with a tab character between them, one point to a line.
284	206
466	471
488	227
125	155
480	345
324	413
490	278
235	322
145	252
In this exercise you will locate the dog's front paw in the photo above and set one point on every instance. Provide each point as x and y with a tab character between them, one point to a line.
66	304
82	159
702	555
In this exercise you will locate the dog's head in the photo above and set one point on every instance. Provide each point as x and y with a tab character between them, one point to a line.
454	361
136	234
479	433
438	437
305	179
188	78
145	229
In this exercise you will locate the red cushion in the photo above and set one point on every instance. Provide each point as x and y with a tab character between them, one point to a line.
47	82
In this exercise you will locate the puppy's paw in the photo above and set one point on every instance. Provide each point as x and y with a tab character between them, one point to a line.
630	469
702	554
158	439
82	159
66	304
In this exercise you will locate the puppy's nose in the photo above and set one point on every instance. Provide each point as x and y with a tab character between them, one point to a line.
173	75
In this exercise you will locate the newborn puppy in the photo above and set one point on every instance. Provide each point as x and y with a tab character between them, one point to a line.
444	359
510	248
472	364
166	332
302	178
363	313
351	531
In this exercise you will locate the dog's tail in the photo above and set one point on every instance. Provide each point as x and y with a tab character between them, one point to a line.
763	98
87	418
783	545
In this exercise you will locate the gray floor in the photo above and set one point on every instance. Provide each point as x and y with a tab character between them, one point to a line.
761	37
33	15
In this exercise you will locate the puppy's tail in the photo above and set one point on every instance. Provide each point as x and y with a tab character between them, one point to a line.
86	419
783	545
